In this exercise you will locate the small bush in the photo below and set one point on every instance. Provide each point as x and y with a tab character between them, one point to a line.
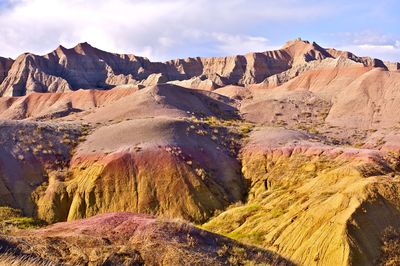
245	129
23	222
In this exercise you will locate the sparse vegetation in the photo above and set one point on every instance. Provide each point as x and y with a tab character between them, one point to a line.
13	219
10	259
390	250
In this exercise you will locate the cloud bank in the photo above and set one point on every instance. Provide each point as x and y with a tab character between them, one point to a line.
157	29
369	43
160	29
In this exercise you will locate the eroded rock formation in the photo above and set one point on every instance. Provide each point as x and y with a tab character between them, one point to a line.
86	67
294	150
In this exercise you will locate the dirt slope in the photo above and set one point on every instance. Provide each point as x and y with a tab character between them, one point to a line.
132	239
112	168
46	106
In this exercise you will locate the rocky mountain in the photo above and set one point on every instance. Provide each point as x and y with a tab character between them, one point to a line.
295	151
85	67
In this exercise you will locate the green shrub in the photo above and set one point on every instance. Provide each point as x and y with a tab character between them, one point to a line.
12	219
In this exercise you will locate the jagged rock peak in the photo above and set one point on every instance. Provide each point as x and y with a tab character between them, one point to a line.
304	51
84	48
81	48
86	67
62	49
296	41
300	44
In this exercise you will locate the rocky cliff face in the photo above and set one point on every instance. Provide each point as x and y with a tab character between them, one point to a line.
85	67
70	69
5	65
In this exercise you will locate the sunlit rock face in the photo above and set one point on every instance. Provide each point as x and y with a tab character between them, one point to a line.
294	150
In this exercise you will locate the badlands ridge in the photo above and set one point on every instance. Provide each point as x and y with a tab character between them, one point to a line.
286	157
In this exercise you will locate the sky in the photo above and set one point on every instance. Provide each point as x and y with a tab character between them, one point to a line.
167	29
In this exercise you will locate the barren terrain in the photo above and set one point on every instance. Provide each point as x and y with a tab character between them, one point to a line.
286	157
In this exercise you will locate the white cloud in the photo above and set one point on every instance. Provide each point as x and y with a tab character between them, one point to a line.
369	43
364	37
159	29
388	52
241	44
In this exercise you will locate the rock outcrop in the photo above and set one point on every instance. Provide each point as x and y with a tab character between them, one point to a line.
5	65
85	67
346	94
366	61
314	203
82	67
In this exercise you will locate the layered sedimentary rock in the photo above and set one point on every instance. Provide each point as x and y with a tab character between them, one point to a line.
314	203
370	100
366	61
85	67
329	63
299	154
45	106
113	169
346	94
121	174
69	69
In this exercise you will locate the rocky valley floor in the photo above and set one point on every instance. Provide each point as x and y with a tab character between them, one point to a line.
289	157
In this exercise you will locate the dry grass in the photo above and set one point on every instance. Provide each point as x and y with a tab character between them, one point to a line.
13	219
8	259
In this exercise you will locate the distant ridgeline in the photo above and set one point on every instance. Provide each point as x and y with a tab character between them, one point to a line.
86	67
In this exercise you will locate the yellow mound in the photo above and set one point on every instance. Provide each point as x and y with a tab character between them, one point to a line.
314	208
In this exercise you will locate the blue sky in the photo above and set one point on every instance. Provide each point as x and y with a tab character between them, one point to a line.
166	29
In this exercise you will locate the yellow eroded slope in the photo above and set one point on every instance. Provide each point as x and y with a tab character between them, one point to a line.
313	209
